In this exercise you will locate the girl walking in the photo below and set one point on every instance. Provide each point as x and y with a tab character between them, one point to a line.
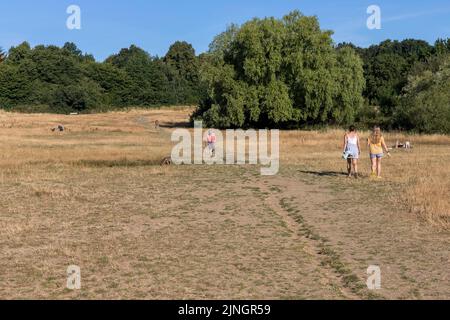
352	151
377	146
212	139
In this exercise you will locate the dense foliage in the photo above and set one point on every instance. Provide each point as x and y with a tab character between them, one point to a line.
278	73
53	79
388	68
287	73
425	103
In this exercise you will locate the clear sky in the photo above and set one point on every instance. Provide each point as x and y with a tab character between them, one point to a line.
109	25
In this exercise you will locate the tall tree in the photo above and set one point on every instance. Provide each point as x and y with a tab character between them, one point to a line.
17	54
350	79
442	46
277	73
386	68
183	72
425	104
181	56
149	84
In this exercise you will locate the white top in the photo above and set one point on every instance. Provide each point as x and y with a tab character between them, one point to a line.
352	140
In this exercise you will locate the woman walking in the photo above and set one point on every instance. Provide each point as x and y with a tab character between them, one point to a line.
377	146
352	151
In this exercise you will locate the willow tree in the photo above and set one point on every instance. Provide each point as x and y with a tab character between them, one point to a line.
277	73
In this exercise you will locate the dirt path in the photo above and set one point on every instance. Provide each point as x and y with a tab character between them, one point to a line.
276	200
348	235
93	197
154	233
199	232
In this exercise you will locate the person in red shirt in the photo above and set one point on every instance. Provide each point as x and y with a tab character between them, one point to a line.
212	139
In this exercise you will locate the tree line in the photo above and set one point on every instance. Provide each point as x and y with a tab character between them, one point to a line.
62	80
277	73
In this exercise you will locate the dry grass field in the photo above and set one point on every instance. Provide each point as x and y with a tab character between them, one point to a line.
95	196
420	177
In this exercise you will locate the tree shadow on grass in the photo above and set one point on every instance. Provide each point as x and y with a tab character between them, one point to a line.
325	173
173	125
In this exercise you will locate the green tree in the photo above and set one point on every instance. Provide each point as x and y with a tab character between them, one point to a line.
76	97
11	84
386	69
349	73
48	76
425	104
181	56
277	73
64	79
17	54
116	84
149	84
51	64
442	46
182	69
222	42
72	49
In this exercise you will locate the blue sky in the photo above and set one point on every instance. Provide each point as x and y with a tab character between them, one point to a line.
109	25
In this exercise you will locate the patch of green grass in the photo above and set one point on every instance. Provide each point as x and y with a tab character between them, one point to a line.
115	163
330	258
275	189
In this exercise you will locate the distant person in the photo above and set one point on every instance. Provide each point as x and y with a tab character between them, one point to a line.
377	146
352	151
212	139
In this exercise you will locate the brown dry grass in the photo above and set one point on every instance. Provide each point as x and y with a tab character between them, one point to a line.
423	173
420	178
95	196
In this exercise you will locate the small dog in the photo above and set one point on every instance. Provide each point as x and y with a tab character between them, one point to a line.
59	128
167	161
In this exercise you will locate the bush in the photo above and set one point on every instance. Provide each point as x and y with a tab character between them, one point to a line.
425	106
76	98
